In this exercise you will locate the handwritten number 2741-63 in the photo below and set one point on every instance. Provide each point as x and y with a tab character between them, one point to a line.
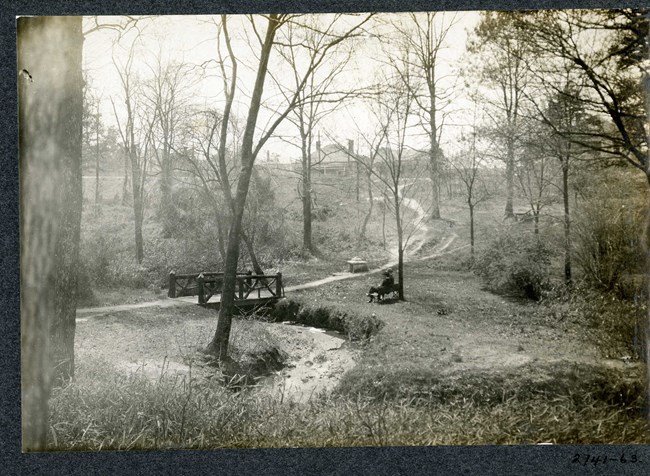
585	459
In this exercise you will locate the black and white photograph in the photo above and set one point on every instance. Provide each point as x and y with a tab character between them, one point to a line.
334	230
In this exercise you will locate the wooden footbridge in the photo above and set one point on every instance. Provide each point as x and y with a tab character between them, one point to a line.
251	290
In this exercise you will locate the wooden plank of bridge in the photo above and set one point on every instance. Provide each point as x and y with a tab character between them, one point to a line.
204	279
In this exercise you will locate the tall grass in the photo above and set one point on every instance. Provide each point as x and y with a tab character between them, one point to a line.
106	410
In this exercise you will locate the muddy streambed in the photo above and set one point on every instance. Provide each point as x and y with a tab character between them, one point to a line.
316	364
312	361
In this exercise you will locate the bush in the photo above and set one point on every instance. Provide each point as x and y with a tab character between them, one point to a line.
607	247
515	264
331	317
617	326
97	254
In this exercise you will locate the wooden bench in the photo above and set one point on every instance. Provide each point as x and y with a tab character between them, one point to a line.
392	294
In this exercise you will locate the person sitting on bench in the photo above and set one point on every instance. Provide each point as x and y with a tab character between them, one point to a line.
386	286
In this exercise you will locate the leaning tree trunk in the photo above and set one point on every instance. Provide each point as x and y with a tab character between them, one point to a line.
220	234
248	241
219	344
49	58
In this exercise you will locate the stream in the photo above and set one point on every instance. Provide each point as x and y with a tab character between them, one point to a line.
312	371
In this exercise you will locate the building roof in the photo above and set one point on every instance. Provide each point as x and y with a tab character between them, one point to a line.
331	153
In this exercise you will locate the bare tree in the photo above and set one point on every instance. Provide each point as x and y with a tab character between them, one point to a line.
470	165
205	168
50	119
215	170
422	38
536	174
592	65
318	97
500	51
136	131
392	110
249	151
561	116
165	93
564	117
613	69
92	130
219	344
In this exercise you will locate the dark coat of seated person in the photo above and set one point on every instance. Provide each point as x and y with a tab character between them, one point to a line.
385	287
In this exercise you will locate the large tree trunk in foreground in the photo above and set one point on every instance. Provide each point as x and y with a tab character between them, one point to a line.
49	54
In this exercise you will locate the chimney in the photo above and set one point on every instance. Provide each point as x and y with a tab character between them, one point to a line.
350	149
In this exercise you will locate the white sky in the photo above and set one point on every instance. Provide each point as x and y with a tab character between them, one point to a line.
191	40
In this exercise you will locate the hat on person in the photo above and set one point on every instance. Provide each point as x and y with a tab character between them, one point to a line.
388	271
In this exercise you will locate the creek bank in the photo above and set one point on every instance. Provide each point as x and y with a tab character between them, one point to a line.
314	353
319	359
333	317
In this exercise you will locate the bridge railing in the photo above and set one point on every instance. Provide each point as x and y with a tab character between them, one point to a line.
205	285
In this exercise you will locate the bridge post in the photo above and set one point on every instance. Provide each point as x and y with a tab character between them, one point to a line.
278	285
201	281
171	292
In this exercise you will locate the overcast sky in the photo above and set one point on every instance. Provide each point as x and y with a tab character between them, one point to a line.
191	40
